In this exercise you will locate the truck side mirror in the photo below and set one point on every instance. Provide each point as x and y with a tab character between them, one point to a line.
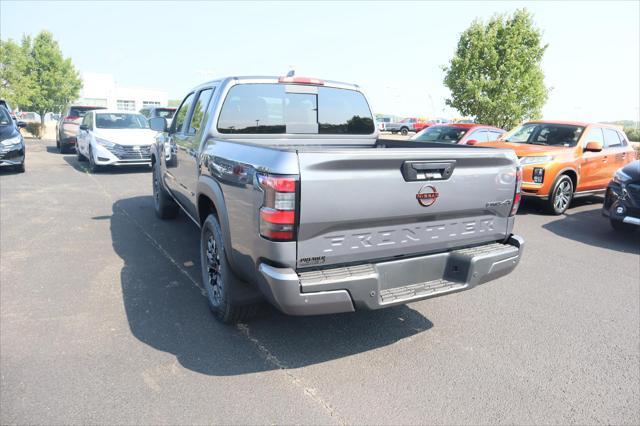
21	124
593	146
159	124
84	127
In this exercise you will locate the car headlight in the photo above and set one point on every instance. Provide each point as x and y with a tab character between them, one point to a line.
621	177
535	160
105	143
16	140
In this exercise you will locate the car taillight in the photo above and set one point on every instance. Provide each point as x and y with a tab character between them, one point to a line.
518	194
278	211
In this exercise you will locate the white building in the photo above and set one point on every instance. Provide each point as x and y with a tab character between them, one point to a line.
102	90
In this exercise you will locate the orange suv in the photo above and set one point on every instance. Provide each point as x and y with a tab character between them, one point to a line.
562	159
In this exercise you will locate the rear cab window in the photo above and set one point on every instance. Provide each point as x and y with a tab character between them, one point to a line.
270	108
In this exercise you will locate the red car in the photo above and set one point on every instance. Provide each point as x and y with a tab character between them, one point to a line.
460	133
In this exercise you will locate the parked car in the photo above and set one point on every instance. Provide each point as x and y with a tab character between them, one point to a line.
463	134
67	128
622	198
29	117
166	112
382	123
114	138
251	163
562	160
407	125
12	150
4	103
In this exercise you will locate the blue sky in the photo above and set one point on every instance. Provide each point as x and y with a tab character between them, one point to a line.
395	50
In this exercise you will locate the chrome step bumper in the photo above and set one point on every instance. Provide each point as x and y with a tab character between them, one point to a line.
377	285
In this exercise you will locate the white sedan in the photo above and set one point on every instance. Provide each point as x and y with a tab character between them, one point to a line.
109	138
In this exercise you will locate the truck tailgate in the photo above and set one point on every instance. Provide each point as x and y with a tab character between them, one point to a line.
379	203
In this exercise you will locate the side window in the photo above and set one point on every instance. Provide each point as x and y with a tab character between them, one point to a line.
199	111
623	139
594	135
90	121
145	112
479	135
611	139
494	134
85	119
181	115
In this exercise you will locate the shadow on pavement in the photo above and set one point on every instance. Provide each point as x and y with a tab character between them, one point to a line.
168	312
83	167
590	227
536	206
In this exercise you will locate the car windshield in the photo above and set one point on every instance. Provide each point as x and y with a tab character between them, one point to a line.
165	113
545	134
121	121
5	118
445	134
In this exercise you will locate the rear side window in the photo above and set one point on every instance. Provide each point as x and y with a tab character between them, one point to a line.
280	108
611	138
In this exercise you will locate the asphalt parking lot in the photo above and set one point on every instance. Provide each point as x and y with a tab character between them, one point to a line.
102	321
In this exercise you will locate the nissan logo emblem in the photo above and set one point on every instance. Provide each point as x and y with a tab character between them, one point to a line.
427	195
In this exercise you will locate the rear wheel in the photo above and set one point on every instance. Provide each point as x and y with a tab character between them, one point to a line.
561	196
79	155
217	276
164	206
404	131
62	148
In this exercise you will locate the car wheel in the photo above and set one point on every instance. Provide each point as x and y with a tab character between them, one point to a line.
164	206
621	226
404	131
217	276
93	167
561	195
20	168
61	148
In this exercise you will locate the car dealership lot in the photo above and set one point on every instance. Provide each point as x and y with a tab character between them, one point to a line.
102	321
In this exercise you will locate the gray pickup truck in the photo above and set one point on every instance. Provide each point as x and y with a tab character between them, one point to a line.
299	202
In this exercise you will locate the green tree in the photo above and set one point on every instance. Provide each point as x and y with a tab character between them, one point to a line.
495	74
35	76
16	85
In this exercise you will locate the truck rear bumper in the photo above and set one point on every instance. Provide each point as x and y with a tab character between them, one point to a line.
375	286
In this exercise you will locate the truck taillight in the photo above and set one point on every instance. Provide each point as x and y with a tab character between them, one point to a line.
301	80
278	212
518	194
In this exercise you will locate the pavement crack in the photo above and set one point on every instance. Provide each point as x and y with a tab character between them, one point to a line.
296	381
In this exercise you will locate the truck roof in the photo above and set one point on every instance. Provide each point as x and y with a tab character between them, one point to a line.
274	79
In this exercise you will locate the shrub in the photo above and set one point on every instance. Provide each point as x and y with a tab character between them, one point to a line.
34	129
633	133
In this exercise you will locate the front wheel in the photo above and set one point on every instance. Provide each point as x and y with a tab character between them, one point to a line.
561	196
93	167
79	155
217	276
164	206
20	168
404	131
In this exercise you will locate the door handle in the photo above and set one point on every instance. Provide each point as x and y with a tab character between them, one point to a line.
427	170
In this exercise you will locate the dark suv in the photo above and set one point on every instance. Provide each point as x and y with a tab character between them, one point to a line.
622	199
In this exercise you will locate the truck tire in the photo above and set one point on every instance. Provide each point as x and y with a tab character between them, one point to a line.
404	131
561	196
217	276
164	206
